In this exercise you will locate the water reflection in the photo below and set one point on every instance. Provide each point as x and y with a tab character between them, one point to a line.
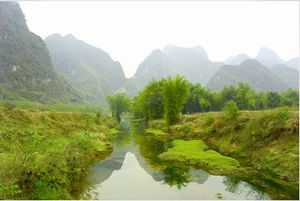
133	171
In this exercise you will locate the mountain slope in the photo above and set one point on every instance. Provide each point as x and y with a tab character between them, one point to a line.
289	75
90	70
192	63
236	60
250	71
25	67
268	57
294	63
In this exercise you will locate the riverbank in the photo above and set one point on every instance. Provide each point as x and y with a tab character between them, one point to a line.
43	154
265	140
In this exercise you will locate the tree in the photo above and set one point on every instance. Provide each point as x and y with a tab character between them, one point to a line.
148	104
274	99
290	98
119	103
245	96
175	92
199	99
261	100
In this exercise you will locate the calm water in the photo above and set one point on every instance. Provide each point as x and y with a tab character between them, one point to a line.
134	172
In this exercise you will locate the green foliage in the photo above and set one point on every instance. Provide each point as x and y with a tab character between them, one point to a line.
290	98
119	103
267	140
148	104
274	99
186	129
43	154
231	110
200	99
175	92
154	131
58	106
163	98
194	152
283	113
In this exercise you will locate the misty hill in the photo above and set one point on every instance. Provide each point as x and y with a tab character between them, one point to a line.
25	67
237	60
268	57
90	70
294	63
289	75
192	63
258	76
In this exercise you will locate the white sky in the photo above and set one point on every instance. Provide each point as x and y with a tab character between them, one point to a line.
129	31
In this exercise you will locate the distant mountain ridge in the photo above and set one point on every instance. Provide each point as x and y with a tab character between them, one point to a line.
26	70
250	71
90	70
266	57
192	63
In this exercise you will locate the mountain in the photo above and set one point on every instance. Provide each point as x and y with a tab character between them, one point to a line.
289	75
258	76
268	57
294	63
238	59
26	70
90	70
192	63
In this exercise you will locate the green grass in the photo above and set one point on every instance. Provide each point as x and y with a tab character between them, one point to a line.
154	131
44	154
194	152
268	141
55	107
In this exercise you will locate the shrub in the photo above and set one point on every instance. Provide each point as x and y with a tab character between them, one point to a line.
283	113
231	110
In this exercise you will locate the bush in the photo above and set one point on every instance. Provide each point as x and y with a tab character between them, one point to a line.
231	110
186	129
283	113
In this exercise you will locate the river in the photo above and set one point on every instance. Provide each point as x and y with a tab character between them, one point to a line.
133	171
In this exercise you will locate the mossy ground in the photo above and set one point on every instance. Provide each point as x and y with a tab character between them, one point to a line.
154	131
195	152
43	154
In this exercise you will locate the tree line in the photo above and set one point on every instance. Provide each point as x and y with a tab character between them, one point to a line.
167	98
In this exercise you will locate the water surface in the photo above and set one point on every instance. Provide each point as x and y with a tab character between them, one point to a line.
133	171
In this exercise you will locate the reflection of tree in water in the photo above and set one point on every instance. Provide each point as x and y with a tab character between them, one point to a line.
182	175
173	175
238	187
178	176
232	184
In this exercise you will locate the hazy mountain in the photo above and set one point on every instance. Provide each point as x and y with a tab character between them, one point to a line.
90	70
238	59
228	60
258	76
192	63
268	57
289	75
25	67
293	63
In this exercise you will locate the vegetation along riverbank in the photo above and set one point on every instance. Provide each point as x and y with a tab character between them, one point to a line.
44	154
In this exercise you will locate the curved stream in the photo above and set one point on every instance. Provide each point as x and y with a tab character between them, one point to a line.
132	171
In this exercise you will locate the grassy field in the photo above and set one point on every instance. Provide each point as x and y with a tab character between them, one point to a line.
43	154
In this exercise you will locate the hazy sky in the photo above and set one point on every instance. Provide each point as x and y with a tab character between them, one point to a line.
129	31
